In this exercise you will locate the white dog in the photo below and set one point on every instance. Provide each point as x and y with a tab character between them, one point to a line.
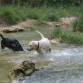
42	46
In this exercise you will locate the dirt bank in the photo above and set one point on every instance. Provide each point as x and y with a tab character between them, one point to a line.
26	25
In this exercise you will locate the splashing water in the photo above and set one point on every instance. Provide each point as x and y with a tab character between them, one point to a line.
63	65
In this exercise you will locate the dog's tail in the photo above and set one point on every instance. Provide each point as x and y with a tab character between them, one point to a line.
40	34
1	36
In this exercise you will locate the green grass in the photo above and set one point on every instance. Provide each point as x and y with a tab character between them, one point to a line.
73	38
11	15
14	14
78	25
67	37
56	32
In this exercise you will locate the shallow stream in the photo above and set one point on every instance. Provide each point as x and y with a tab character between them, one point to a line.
63	65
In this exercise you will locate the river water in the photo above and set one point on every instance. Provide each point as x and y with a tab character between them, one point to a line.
63	65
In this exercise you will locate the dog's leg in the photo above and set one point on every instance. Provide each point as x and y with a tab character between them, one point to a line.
49	49
40	51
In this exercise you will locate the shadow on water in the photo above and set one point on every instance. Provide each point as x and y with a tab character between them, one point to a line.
63	65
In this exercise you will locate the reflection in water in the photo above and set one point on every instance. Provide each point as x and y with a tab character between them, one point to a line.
63	65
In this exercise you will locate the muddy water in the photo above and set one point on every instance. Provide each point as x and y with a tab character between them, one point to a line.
63	65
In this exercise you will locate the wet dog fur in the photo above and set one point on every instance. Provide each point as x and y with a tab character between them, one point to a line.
11	44
42	46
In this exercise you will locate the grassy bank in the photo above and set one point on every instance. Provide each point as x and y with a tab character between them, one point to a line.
68	37
14	14
11	15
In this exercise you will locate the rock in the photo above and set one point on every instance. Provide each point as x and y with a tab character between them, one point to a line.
26	68
55	41
57	25
11	30
67	21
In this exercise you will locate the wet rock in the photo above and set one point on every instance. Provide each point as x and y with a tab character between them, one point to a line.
55	41
13	29
26	68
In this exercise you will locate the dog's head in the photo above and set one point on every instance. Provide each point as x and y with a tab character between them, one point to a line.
33	45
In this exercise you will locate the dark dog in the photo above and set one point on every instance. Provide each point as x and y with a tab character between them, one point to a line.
11	44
